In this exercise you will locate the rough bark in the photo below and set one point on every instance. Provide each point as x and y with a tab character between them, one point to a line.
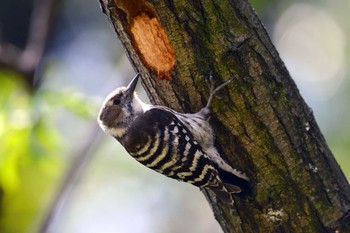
262	124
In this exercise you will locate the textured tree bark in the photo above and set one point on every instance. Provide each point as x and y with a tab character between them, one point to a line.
262	124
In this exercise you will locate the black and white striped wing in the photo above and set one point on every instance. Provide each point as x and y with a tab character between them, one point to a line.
158	140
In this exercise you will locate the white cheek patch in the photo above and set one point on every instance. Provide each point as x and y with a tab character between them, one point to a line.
116	132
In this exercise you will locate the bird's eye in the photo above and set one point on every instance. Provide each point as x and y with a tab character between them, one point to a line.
116	101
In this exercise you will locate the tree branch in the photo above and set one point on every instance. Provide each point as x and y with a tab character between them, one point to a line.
26	61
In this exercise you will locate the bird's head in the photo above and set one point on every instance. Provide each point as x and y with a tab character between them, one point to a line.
120	108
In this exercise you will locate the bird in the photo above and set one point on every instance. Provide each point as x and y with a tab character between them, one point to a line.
177	145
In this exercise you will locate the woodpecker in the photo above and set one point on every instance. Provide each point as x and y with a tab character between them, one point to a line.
177	145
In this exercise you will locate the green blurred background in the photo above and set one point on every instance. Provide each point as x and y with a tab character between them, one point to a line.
49	130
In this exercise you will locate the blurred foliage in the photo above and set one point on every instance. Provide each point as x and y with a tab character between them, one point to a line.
28	157
30	148
261	5
71	100
340	148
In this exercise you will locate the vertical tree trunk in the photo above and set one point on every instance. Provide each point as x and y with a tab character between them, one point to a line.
262	124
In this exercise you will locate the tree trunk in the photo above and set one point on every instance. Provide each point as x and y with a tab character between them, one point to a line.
262	124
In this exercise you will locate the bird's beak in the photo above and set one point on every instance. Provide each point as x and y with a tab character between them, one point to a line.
131	87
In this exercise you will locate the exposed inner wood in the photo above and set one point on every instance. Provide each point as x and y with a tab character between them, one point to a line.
153	44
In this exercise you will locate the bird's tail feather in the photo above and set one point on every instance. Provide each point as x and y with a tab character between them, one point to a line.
223	194
234	183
